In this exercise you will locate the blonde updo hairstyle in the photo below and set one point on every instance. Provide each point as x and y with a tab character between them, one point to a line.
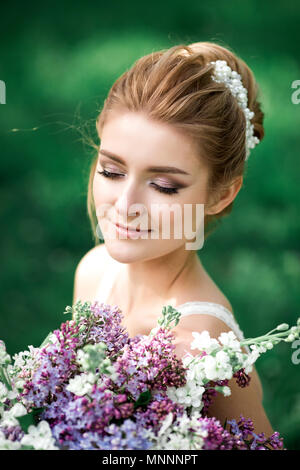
175	86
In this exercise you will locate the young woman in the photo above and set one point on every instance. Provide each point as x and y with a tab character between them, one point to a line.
175	131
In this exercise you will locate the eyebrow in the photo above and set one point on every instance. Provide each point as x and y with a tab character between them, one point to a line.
156	169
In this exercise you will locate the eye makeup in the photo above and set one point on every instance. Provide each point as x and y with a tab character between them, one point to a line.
162	189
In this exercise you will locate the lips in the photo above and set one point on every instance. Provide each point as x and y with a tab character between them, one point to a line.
129	229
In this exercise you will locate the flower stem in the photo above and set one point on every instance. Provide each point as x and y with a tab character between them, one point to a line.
266	337
5	379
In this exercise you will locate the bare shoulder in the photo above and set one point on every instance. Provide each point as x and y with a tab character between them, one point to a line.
88	273
213	293
91	261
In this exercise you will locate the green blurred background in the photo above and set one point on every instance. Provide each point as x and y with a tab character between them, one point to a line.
58	61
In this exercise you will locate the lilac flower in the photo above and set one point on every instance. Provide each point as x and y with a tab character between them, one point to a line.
276	441
245	430
127	436
89	414
102	323
210	392
57	365
149	363
219	438
100	389
156	411
242	378
13	433
57	359
54	413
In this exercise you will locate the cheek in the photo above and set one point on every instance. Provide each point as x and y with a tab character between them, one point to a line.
171	219
101	199
100	192
186	215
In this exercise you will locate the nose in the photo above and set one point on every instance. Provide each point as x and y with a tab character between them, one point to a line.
129	204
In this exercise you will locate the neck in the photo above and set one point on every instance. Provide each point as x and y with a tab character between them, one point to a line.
158	280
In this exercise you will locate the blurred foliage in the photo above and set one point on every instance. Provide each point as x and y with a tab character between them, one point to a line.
58	62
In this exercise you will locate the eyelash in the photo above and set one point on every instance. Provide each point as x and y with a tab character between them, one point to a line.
161	189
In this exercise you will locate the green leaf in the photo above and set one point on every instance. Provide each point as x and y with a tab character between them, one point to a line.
143	399
31	418
26	421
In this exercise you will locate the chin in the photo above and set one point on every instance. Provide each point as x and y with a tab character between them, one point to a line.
125	251
130	251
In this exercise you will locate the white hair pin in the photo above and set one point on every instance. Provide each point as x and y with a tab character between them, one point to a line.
232	80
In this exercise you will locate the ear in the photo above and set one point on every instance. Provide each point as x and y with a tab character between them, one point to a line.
226	196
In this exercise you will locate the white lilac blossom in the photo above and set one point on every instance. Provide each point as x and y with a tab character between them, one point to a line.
204	342
230	340
190	395
233	80
39	437
4	356
187	433
3	392
82	384
93	359
91	356
8	444
9	417
24	363
215	362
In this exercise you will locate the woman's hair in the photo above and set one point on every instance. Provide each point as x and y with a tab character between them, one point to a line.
174	86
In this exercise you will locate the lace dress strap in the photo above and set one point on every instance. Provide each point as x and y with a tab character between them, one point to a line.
215	310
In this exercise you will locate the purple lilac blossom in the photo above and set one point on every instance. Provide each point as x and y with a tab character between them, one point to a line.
245	429
57	366
13	433
127	436
209	393
219	438
150	363
156	412
57	362
82	414
242	379
104	325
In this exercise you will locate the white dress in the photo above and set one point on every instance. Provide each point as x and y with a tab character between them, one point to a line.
188	308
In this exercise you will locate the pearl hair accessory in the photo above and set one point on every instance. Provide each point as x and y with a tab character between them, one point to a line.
232	80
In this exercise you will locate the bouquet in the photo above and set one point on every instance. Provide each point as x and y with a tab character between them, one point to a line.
91	387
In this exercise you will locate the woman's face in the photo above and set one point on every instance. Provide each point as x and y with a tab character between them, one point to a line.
141	193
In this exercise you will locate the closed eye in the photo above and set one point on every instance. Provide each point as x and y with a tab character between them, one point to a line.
161	189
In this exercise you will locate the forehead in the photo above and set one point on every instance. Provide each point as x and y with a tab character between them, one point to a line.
141	141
